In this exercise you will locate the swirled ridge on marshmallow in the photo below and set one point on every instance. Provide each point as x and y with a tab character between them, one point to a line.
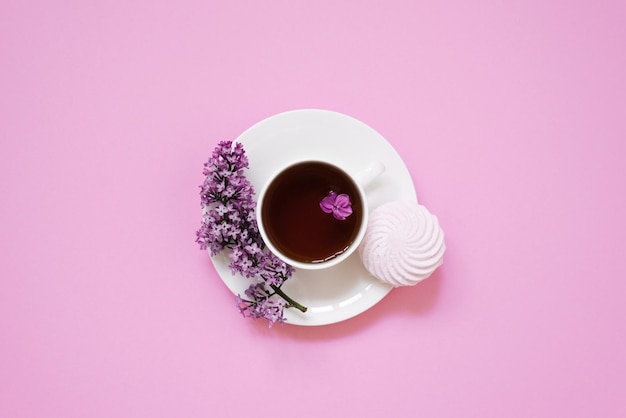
403	245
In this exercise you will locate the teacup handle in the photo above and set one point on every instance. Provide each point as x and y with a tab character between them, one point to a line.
367	175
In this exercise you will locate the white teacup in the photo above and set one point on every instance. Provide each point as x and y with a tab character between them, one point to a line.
313	214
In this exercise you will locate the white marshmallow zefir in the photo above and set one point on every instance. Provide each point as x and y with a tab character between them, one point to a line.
403	245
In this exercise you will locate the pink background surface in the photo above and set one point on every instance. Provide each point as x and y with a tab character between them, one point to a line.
511	117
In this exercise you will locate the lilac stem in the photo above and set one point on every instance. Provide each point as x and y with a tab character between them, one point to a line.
291	302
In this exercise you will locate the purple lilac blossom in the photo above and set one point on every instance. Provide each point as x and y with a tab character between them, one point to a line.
229	223
338	205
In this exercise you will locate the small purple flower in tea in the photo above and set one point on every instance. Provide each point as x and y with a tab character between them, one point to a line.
338	205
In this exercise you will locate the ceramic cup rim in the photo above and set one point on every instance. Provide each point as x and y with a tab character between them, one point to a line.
324	264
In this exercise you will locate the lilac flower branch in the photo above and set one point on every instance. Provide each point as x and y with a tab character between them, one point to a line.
229	223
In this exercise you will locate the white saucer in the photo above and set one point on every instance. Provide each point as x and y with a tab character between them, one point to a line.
346	290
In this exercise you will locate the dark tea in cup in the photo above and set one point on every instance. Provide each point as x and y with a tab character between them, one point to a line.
302	218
